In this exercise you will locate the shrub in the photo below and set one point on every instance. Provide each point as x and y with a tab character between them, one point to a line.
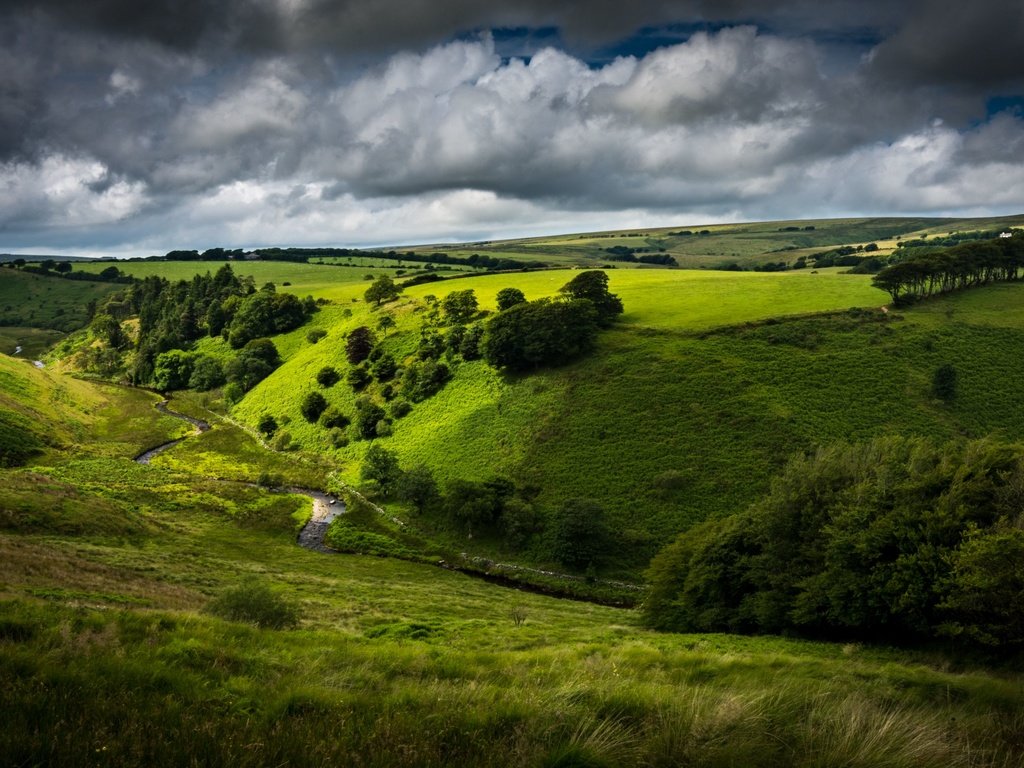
282	441
580	537
337	437
233	392
381	466
509	297
400	408
267	425
332	418
314	335
359	344
312	406
359	378
207	374
257	604
368	415
328	376
944	383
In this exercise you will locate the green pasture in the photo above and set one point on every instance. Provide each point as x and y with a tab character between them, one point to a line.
35	301
666	395
107	655
33	341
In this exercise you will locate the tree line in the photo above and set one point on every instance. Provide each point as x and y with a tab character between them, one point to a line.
966	265
898	540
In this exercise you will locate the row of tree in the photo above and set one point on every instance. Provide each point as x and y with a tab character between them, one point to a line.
575	535
897	540
963	266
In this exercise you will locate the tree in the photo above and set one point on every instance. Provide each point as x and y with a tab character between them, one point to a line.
418	487
207	373
107	329
328	376
944	383
459	306
358	378
312	405
469	347
267	425
382	289
509	297
527	336
580	537
255	361
381	466
172	370
63	267
359	344
593	286
385	323
368	416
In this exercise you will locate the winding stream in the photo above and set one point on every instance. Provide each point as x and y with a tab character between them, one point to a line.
325	508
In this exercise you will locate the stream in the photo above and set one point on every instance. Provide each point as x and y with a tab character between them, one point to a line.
325	507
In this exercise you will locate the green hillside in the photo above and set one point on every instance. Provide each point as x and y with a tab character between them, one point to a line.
131	596
691	402
111	652
36	301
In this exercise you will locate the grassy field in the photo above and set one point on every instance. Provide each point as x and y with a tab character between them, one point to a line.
108	657
709	246
34	301
674	397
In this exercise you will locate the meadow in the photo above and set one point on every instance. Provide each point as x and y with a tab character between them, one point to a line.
35	301
112	651
109	656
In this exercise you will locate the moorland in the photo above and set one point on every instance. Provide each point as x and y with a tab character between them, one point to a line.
694	496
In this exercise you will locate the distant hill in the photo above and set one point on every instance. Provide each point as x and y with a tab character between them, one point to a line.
33	257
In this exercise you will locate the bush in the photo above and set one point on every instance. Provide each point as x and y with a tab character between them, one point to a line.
312	406
332	418
359	378
580	537
282	441
267	425
400	408
257	604
944	383
315	335
328	376
368	416
359	344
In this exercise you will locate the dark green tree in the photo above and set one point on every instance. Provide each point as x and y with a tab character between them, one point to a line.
312	406
944	383
579	534
459	306
592	285
381	466
267	425
328	376
418	487
382	289
359	344
509	297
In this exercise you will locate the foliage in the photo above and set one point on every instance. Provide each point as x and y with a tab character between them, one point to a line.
460	306
312	406
172	370
872	541
266	313
944	382
328	376
962	266
255	603
579	535
382	289
422	379
368	416
418	487
332	418
254	362
540	333
207	373
359	344
314	335
509	297
381	466
267	425
593	286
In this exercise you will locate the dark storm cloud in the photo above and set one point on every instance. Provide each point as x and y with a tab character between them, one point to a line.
250	121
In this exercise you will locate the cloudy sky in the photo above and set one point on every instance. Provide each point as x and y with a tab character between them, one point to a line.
133	127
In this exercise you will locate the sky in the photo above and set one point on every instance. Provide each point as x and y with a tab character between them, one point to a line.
130	128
